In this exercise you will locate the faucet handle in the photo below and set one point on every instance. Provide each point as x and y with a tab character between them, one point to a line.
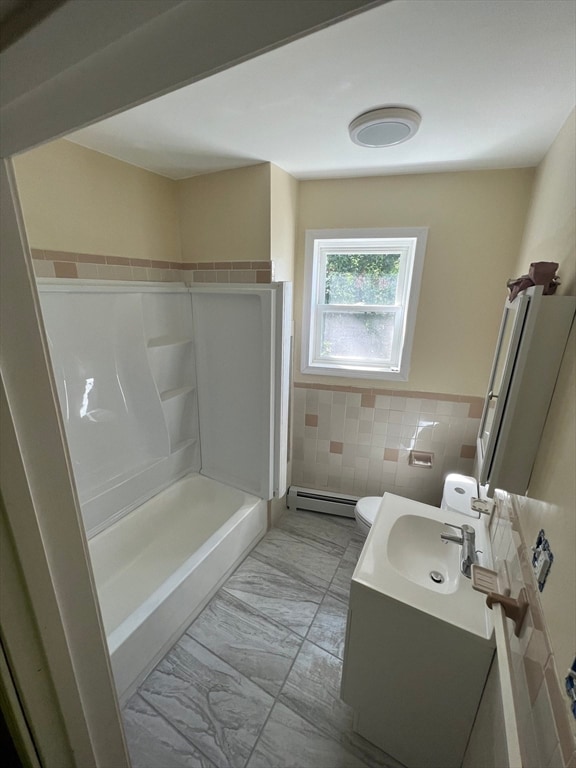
451	525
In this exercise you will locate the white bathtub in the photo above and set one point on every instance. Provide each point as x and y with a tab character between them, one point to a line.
158	566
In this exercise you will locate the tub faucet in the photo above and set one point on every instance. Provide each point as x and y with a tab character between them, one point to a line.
468	543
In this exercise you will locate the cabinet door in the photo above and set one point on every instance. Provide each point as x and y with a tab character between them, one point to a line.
503	365
533	335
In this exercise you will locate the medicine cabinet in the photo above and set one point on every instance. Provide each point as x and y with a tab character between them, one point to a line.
532	338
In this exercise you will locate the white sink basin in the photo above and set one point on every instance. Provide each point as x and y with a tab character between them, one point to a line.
417	552
405	559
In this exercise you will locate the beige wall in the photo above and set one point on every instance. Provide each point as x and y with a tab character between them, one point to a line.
78	200
550	233
550	503
225	216
283	212
475	221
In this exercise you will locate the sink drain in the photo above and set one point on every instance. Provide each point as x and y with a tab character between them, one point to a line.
437	577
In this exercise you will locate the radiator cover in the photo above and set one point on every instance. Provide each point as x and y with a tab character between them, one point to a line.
327	502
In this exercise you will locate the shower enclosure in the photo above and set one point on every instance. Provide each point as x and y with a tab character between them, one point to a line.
175	403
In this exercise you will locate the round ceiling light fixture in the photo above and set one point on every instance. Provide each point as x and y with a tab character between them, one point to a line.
384	127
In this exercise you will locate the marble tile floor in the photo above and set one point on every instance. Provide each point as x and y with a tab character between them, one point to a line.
254	681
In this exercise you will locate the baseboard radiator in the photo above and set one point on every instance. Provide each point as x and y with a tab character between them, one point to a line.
310	500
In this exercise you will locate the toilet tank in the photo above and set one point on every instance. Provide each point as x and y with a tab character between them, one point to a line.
459	490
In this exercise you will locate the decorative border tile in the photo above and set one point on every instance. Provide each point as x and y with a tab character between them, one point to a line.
372	398
94	266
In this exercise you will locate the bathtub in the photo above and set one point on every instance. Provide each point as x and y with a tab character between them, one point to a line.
158	566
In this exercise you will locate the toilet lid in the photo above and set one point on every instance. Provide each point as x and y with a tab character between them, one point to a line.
367	508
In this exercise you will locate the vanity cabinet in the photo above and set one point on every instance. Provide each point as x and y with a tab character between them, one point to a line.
414	681
419	638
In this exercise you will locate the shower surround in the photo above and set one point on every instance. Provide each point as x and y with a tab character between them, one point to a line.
174	401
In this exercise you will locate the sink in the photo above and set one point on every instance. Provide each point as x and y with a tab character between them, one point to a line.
417	552
418	649
405	559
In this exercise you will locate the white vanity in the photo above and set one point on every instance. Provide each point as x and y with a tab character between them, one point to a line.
419	638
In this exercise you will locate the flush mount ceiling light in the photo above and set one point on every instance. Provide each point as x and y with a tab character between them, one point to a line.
384	127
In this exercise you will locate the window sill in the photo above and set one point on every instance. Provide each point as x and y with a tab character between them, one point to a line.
355	372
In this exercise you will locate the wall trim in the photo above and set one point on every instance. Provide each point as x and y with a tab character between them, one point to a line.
67	264
475	402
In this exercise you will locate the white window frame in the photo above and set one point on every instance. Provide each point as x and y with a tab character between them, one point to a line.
410	242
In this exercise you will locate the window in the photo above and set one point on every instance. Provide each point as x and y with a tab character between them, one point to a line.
361	296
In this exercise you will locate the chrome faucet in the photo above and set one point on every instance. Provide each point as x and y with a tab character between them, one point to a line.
468	543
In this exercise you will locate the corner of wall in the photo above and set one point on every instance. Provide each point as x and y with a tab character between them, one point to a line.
283	213
225	216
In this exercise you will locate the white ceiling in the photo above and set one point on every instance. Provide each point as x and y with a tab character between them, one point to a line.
494	80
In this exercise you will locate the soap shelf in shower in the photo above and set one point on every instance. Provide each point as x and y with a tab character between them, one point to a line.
168	341
169	394
180	414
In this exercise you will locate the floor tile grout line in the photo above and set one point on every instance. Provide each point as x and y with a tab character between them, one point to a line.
288	573
275	567
268	618
276	701
301	638
175	727
303	539
323	731
230	664
277	698
257	610
287	704
348	530
334	576
250	608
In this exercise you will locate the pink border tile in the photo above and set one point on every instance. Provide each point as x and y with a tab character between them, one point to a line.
65	269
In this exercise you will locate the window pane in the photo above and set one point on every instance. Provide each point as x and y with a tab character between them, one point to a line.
357	335
358	278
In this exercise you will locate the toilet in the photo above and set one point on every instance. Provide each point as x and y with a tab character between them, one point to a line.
459	490
365	513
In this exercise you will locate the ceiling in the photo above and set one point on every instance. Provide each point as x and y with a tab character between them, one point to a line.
493	80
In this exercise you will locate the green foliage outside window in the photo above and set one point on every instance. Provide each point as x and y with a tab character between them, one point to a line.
361	278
